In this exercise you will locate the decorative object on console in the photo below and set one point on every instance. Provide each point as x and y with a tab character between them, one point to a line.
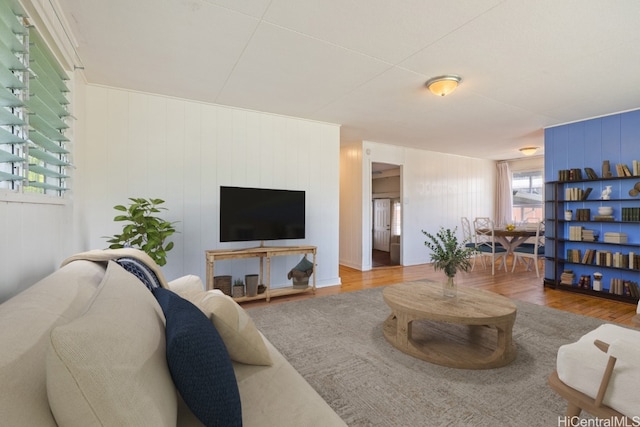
300	273
238	289
144	230
448	255
251	280
223	283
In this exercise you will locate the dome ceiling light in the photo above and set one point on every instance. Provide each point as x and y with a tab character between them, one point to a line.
529	151
443	85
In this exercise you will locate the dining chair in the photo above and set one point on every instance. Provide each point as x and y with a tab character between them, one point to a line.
486	243
531	253
469	239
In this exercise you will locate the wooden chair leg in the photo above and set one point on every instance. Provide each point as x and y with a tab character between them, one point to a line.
573	410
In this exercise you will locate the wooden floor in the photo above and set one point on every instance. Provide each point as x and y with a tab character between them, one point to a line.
520	285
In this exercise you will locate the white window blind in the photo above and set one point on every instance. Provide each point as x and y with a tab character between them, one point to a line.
33	109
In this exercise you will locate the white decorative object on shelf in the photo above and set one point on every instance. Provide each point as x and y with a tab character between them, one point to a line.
605	210
606	193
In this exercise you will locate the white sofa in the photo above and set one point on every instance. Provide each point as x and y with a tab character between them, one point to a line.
86	346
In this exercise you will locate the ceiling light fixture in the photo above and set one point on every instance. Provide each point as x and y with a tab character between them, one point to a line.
529	151
443	85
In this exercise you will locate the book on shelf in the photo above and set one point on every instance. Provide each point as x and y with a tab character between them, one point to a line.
588	235
630	214
603	217
603	258
584	282
574	255
583	214
586	193
634	261
624	287
636	167
575	233
634	290
566	278
570	174
623	170
591	174
587	258
573	193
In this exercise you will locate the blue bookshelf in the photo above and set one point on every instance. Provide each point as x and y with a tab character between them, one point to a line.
569	149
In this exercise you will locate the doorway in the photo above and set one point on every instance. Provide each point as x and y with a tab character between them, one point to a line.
386	218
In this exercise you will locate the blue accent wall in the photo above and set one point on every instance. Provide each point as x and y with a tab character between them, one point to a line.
586	144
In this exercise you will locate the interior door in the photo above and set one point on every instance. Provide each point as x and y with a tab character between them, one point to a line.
381	224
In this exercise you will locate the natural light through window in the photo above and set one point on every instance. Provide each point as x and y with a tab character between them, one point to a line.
528	196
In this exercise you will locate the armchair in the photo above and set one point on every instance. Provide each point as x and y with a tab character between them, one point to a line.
600	374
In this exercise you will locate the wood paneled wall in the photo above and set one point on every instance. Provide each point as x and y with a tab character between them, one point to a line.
144	145
437	189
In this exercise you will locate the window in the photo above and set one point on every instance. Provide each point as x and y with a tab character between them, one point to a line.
33	109
527	196
396	218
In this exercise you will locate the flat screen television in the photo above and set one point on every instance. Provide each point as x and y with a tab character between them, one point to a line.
248	214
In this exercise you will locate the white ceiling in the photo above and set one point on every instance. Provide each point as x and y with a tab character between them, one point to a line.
526	64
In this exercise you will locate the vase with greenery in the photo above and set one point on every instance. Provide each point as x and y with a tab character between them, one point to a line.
449	255
144	230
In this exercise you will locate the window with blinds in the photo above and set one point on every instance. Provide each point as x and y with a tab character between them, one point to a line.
33	109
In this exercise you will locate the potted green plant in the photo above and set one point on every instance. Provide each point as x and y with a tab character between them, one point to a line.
449	255
144	231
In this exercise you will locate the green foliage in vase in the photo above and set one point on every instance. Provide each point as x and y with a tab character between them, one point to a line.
144	231
447	253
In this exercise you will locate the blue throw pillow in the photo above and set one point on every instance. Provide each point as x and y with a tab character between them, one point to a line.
199	363
141	271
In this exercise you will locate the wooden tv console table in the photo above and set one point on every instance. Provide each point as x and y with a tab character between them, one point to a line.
264	253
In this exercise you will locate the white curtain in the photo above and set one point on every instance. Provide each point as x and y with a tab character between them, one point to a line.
504	194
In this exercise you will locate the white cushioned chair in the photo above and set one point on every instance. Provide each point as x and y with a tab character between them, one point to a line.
600	374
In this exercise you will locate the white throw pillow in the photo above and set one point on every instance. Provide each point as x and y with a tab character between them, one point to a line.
109	367
240	335
188	283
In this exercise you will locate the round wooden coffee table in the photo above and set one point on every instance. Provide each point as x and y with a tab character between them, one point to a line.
472	330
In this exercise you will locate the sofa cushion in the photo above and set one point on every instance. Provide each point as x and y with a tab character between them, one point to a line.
187	283
27	320
199	363
244	342
108	367
278	395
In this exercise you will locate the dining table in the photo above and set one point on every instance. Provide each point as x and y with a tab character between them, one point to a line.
511	239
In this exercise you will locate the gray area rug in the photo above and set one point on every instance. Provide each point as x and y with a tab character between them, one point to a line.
337	345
